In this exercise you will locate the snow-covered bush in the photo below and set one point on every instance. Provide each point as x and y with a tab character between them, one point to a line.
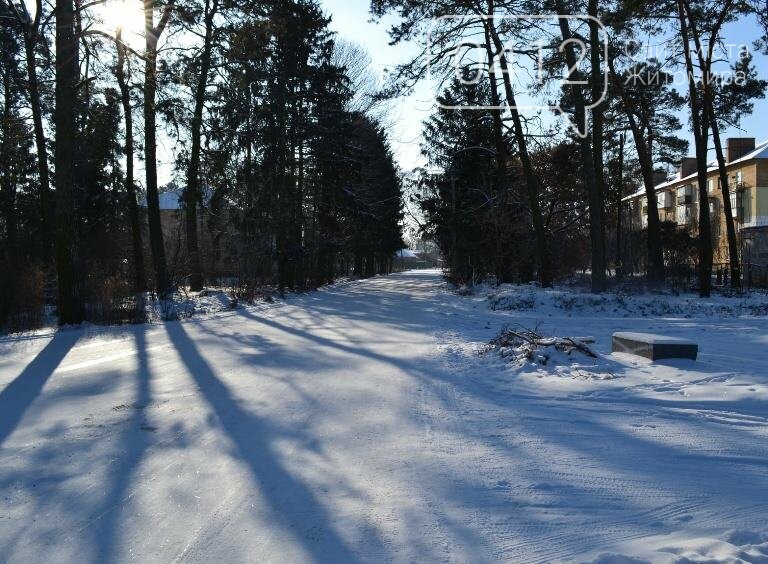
509	297
512	302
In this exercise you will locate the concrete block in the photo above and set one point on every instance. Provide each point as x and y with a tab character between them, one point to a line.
654	347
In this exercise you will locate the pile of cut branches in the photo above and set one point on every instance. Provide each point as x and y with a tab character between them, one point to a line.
528	345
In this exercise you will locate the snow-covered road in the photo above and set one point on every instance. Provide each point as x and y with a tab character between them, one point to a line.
351	424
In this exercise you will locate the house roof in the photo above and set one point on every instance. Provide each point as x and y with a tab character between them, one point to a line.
171	200
759	152
174	199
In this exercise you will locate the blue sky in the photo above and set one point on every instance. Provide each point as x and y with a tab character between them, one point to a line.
351	20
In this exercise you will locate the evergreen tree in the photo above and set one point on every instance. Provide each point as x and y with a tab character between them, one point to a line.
152	33
70	306
476	218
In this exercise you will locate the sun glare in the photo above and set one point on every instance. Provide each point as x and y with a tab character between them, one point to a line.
127	16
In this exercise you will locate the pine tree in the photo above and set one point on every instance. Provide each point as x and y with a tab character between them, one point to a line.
123	76
649	105
469	207
70	308
152	34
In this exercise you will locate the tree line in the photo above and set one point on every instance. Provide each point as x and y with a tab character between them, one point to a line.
508	196
276	134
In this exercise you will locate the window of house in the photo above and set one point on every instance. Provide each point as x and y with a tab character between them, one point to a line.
736	205
683	215
685	195
745	201
714	216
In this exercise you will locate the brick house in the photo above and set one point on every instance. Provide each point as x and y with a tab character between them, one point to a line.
678	201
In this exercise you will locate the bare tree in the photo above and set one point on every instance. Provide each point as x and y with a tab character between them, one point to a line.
363	83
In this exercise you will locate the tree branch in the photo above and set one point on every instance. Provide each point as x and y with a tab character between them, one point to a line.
158	30
116	40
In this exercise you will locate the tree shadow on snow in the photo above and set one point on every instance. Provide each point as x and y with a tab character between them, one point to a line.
602	445
132	445
17	396
292	502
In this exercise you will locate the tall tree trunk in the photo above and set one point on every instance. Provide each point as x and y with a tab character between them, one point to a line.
596	230
31	38
654	248
733	246
139	279
619	196
8	203
700	121
283	186
501	156
705	62
69	307
300	230
531	180
7	182
498	124
192	194
598	119
152	34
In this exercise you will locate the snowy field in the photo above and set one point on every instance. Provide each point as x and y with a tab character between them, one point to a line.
360	423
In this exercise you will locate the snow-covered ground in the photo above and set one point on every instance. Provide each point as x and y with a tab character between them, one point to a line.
359	423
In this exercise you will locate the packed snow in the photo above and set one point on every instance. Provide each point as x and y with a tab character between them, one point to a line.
364	423
652	339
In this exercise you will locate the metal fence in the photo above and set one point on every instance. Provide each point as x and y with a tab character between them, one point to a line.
752	275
